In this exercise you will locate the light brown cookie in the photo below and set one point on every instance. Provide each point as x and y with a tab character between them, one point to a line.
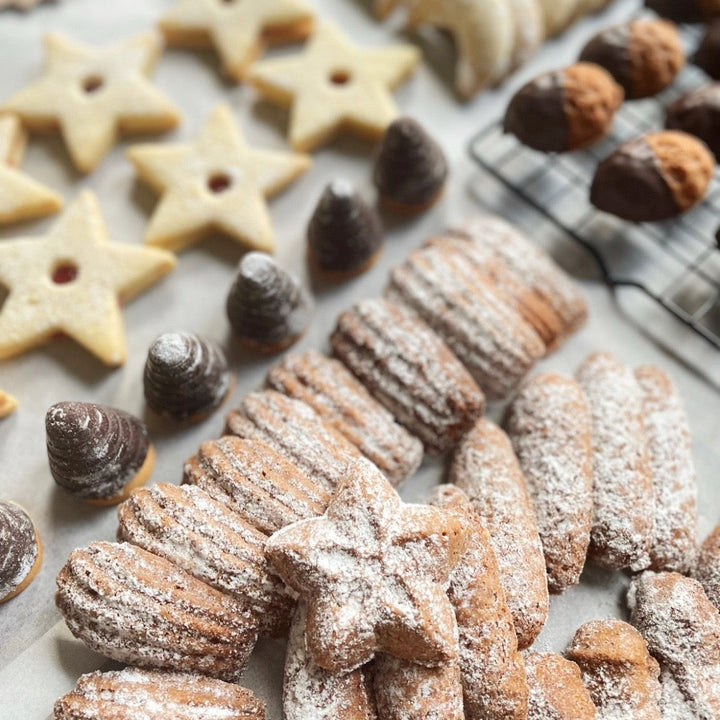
674	544
374	573
20	550
623	523
708	567
8	404
209	541
623	679
471	314
132	693
410	370
139	609
556	689
492	669
549	426
255	481
309	691
341	400
295	431
486	469
682	630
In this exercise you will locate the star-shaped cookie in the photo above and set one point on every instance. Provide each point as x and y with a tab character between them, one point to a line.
238	29
72	281
21	197
95	94
334	85
374	574
217	182
8	404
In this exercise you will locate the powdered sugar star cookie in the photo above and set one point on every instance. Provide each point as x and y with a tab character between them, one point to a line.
70	281
334	85
238	30
216	182
21	197
8	404
374	573
93	94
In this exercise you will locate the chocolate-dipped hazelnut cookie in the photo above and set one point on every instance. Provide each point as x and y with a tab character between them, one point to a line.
565	109
20	550
653	177
186	377
345	234
410	168
96	452
698	113
644	56
678	10
707	56
267	308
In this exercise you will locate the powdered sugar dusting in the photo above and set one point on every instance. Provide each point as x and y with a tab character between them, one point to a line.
18	547
708	567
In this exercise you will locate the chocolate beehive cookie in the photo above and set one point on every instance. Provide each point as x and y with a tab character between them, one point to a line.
698	113
341	400
20	550
707	571
137	608
565	109
471	314
96	452
130	693
209	541
410	370
644	56
653	177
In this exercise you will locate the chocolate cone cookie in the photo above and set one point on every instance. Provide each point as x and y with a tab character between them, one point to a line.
96	452
698	113
410	169
564	109
267	308
20	550
345	233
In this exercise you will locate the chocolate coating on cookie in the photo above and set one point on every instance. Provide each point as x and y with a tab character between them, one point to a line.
186	377
345	233
19	550
678	10
267	308
96	451
410	169
707	57
698	113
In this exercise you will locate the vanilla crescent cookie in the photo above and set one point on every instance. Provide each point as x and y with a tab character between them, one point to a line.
8	404
70	281
95	94
237	30
485	35
21	197
333	85
558	15
529	29
217	182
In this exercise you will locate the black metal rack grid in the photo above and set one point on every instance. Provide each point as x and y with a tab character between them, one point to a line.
676	263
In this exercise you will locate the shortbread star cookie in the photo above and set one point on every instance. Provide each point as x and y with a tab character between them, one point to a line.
334	85
237	30
374	573
94	94
70	281
21	197
217	182
8	404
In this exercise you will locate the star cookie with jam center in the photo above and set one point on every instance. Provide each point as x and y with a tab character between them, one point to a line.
237	29
217	182
374	573
95	94
333	85
21	197
72	281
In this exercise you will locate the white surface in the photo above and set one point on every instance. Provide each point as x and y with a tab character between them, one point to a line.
38	658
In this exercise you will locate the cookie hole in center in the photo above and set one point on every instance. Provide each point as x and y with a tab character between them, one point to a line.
64	272
340	77
219	182
92	84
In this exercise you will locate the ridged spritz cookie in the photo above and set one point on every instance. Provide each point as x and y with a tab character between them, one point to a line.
708	567
486	469
95	94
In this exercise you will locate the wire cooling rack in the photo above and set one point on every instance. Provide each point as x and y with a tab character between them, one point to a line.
676	263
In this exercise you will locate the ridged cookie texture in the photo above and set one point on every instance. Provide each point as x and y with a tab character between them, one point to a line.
486	469
708	567
341	400
209	541
252	479
137	608
295	431
410	370
134	694
471	314
20	550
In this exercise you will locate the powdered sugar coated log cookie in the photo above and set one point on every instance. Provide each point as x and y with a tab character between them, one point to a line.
708	567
